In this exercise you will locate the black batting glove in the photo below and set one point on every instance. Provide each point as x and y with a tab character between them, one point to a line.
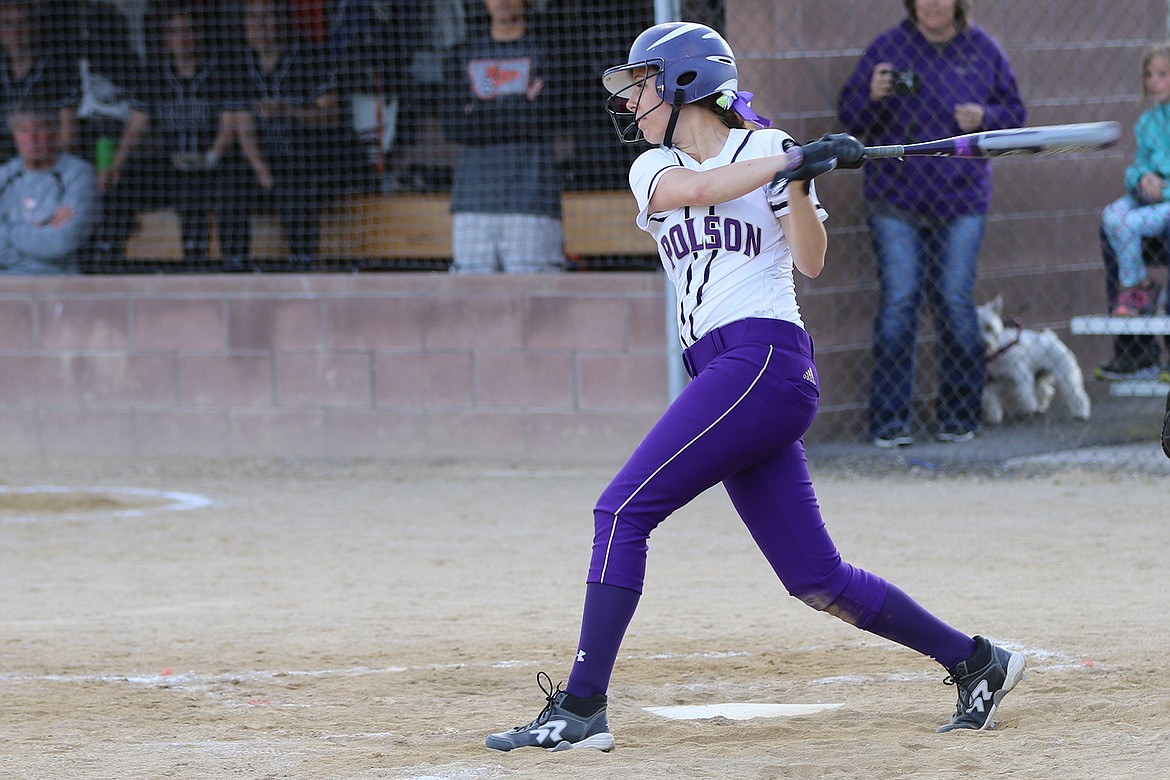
806	163
850	152
811	160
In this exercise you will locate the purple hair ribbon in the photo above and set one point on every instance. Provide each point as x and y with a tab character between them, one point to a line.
742	105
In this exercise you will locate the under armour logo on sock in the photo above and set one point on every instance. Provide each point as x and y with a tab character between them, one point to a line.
580	656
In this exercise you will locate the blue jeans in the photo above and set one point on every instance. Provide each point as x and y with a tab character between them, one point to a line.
935	260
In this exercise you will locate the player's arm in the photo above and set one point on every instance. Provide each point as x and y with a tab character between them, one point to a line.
322	112
680	187
245	131
805	233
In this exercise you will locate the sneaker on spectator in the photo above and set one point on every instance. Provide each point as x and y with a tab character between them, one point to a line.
1128	367
952	433
1138	301
893	438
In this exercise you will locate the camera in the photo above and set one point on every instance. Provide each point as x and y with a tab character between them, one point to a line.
905	82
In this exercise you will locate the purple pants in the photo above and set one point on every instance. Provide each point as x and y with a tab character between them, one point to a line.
753	394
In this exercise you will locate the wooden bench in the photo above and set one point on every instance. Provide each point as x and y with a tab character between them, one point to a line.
411	226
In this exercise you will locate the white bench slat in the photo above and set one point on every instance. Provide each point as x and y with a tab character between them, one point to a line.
1103	325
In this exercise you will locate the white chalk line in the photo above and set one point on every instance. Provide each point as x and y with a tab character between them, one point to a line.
208	684
175	501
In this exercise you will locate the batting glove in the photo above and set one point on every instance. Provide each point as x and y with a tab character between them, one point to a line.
804	164
850	152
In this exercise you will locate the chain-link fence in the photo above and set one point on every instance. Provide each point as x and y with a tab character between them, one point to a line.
339	136
909	240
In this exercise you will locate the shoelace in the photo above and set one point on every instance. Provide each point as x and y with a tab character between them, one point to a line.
549	695
964	703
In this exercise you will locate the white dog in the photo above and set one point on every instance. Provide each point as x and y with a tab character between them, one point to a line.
1027	370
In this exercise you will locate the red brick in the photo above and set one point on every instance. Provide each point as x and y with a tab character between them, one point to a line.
16	325
523	379
586	437
276	324
647	322
284	433
129	380
83	324
20	433
463	322
428	380
240	379
635	382
178	324
176	432
374	323
98	432
40	380
568	322
496	436
376	434
323	379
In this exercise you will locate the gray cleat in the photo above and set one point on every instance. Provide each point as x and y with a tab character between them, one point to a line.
566	722
983	680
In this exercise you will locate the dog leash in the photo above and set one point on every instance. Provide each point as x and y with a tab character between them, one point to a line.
1010	344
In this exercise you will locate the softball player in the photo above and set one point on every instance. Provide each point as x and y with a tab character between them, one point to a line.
1166	428
729	242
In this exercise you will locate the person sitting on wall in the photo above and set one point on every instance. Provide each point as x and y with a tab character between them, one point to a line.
47	198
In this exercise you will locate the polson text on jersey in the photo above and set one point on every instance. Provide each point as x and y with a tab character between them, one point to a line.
731	235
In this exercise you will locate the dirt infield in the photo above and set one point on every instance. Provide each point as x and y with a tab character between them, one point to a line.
376	620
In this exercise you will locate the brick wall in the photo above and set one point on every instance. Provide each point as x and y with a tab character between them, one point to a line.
546	369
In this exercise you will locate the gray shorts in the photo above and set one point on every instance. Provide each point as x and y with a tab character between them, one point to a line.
512	243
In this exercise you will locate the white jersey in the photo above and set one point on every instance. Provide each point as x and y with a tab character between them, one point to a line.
730	261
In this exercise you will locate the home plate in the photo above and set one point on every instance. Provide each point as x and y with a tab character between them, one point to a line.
739	711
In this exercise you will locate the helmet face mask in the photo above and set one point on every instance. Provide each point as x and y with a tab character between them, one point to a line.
689	61
638	75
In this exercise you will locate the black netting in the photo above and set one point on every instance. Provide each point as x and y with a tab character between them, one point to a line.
336	136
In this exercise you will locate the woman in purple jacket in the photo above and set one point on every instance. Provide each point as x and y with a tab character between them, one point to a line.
934	75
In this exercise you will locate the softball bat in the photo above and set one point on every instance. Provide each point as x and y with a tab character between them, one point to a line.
1049	139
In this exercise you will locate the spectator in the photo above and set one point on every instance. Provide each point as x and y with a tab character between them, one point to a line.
33	73
1144	209
506	198
184	101
110	71
289	98
372	43
47	197
1135	356
934	75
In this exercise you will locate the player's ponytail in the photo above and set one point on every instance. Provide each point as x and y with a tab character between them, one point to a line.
728	116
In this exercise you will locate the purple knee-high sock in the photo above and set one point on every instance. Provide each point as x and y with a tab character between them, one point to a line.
607	614
903	620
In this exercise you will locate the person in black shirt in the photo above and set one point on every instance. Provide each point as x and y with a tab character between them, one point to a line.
183	100
110	70
289	97
30	72
506	198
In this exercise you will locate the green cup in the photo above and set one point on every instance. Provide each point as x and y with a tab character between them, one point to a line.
103	153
